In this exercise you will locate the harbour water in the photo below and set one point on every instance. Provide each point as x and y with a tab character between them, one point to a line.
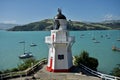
10	48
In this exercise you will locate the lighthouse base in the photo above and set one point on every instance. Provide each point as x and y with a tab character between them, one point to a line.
58	70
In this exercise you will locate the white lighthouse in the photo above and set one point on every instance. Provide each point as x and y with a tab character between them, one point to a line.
60	43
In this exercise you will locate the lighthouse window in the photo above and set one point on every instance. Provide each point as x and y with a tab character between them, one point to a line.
60	57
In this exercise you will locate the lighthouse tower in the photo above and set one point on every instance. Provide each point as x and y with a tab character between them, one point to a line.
60	43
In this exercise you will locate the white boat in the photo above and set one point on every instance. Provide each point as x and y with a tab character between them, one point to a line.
95	41
114	48
25	55
118	39
32	45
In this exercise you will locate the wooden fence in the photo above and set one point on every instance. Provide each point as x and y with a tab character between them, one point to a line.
26	72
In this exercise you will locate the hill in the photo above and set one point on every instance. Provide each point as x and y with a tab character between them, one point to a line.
47	24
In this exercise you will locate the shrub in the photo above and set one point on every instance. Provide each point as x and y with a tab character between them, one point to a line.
116	71
84	59
14	69
23	66
6	71
27	63
0	72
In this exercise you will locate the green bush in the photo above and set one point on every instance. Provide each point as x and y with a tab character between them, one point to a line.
0	72
84	59
23	66
92	63
14	69
27	63
116	71
6	71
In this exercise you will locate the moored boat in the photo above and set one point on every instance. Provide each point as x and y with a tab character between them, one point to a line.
118	39
33	44
95	41
114	48
26	55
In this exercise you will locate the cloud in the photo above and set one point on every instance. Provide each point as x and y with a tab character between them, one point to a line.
9	21
108	17
111	17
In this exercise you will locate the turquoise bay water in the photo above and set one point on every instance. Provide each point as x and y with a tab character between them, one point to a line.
10	48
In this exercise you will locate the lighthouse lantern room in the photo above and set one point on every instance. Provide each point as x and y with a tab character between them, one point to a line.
60	43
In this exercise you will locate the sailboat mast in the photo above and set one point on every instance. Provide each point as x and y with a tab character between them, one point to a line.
24	47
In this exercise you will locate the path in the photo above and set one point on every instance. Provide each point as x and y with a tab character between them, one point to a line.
45	75
42	74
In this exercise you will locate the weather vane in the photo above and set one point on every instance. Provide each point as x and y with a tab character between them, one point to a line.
59	10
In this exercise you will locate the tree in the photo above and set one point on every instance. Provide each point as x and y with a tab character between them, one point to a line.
0	72
22	66
84	59
116	71
27	63
92	63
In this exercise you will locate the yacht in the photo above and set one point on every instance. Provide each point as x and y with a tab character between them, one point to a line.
114	48
33	44
95	41
118	39
26	55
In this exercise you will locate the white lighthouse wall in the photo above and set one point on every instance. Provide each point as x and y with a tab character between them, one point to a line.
61	49
63	24
48	59
49	56
61	36
70	64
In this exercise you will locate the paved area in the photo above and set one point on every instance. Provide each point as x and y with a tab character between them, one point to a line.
45	75
22	78
76	74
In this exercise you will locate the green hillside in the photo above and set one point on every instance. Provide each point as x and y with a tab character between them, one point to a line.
47	24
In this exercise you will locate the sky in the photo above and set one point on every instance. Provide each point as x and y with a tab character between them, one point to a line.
27	11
